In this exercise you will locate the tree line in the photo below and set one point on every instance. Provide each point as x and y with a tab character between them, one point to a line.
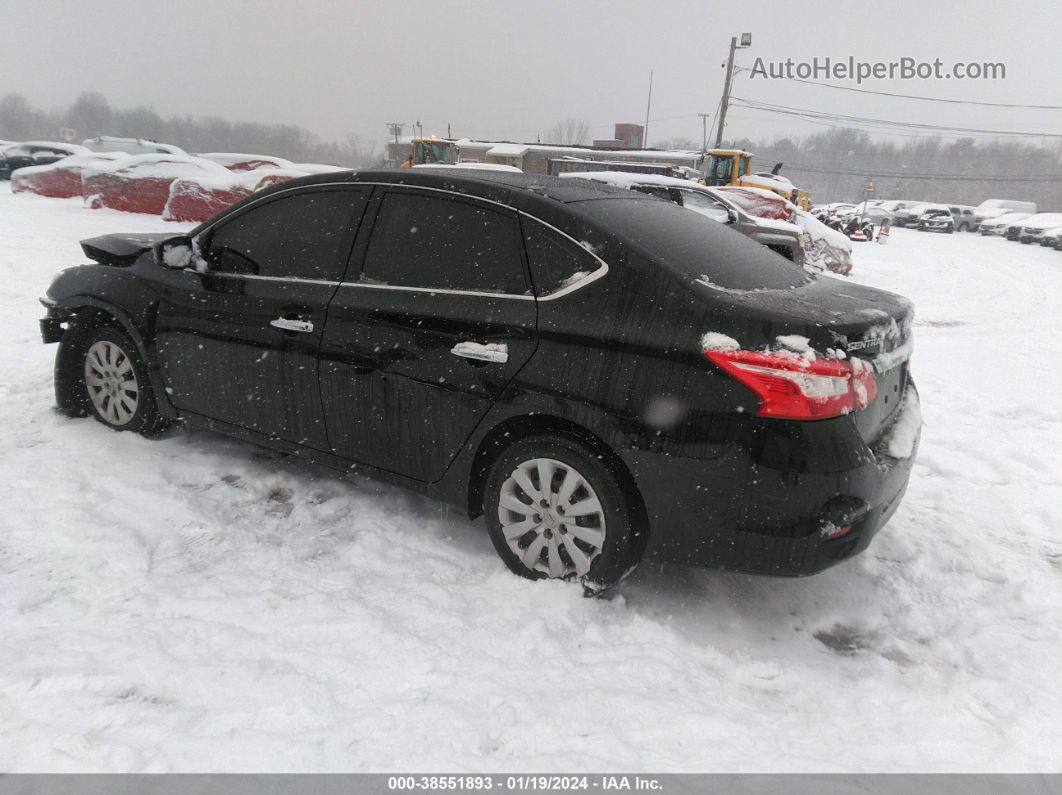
838	164
91	115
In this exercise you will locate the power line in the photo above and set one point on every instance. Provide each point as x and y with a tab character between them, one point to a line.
870	122
899	175
915	96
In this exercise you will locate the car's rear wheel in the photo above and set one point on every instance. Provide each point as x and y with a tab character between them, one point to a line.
557	510
109	381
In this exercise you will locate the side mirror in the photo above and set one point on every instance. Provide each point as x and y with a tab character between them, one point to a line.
175	253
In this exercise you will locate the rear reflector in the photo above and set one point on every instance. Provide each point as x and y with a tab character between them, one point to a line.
795	388
837	532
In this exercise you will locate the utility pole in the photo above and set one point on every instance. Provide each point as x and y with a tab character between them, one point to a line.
704	131
746	41
649	104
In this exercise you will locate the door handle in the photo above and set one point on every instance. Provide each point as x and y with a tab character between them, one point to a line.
289	324
491	352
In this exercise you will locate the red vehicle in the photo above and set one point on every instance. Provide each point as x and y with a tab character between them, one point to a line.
61	179
200	198
235	161
141	183
761	203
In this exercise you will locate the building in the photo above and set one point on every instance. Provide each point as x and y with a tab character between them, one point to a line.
535	158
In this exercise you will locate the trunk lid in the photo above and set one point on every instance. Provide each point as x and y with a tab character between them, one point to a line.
121	250
835	317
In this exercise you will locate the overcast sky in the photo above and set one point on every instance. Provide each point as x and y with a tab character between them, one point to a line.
509	70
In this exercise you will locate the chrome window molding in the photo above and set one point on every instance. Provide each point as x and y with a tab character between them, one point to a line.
598	273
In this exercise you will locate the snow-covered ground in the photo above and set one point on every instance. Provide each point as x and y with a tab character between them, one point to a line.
197	604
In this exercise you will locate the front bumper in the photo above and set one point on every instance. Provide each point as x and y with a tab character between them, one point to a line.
774	505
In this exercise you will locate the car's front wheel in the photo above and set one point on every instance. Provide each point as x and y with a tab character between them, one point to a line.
108	380
557	510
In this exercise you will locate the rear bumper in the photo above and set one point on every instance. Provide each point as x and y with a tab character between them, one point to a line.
775	505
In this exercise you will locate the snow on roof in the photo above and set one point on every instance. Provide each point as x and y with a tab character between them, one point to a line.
155	165
627	179
111	143
316	168
234	158
508	150
62	146
478	166
76	161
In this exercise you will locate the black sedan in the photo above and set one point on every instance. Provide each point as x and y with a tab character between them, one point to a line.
600	372
35	153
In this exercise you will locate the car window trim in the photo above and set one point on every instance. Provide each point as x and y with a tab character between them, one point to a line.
600	272
208	232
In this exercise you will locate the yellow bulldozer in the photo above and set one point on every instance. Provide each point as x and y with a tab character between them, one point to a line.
734	167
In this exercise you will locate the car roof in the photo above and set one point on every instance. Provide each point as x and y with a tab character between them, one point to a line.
490	184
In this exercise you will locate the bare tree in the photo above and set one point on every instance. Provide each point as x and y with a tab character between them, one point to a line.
679	144
569	131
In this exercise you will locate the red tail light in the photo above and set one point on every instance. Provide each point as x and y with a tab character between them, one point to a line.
794	388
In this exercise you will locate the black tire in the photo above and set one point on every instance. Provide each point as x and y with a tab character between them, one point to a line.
624	536
134	405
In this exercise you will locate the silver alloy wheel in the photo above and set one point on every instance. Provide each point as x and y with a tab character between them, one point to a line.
551	518
111	382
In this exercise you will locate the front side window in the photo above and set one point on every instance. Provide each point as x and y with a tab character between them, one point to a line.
556	262
721	168
705	205
445	244
298	236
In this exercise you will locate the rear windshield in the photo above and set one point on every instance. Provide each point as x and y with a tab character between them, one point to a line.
694	245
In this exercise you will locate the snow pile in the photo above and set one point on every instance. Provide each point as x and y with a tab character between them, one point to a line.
900	439
192	603
714	341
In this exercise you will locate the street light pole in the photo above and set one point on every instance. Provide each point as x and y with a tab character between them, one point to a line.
746	41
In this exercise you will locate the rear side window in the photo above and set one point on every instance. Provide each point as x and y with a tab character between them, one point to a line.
446	244
556	262
298	236
691	244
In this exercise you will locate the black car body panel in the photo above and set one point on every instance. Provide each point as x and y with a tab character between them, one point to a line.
611	354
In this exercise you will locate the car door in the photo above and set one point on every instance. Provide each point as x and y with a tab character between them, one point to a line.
239	342
434	320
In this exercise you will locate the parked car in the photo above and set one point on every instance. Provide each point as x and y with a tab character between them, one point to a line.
783	238
1033	227
141	183
962	217
1052	237
934	218
598	372
200	198
993	208
130	146
61	179
998	225
910	215
894	206
35	153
